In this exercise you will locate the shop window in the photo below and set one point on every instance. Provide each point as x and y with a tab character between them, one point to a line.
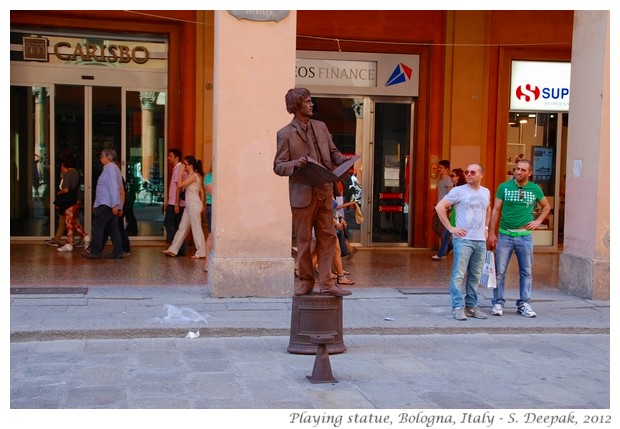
534	136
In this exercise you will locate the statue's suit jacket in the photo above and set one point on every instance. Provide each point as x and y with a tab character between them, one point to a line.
292	145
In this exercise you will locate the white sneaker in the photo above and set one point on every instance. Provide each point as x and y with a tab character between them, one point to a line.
66	248
86	240
497	310
525	309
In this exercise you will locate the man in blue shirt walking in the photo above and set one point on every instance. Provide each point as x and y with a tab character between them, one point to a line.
106	208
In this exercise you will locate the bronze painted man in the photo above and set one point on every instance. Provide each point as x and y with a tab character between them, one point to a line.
311	205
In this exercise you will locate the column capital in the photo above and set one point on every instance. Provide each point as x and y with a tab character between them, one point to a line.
147	99
40	94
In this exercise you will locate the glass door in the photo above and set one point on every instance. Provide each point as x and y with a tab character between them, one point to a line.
63	104
31	187
381	132
343	116
541	137
392	142
69	141
50	124
86	120
145	166
90	119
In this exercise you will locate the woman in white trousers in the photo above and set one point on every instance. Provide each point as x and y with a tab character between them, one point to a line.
192	215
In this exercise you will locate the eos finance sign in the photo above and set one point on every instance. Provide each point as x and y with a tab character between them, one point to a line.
540	86
336	73
358	73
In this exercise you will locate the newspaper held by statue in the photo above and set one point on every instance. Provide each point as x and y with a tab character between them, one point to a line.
314	173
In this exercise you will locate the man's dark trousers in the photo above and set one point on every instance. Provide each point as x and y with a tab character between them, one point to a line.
104	223
171	225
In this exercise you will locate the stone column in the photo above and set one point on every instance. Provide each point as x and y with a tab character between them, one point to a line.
254	66
584	264
147	102
41	98
40	148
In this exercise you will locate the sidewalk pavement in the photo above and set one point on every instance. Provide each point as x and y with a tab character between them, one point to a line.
114	347
132	312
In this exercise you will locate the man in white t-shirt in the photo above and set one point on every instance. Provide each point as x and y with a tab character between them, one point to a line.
473	213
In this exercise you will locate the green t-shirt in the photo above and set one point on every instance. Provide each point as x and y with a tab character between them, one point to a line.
518	203
208	181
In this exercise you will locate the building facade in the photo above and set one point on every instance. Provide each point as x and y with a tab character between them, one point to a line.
412	88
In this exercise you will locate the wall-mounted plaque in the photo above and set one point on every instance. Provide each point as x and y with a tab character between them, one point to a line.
259	15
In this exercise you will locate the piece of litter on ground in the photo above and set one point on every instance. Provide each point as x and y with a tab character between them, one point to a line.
182	315
389	319
191	334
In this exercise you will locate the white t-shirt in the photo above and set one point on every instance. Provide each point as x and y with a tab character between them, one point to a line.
471	209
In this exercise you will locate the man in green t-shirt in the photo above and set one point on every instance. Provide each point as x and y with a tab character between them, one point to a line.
516	200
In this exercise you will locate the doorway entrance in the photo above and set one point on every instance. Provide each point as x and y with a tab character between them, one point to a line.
54	121
380	130
541	137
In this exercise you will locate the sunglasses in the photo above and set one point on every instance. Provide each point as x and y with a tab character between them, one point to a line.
521	194
453	175
468	172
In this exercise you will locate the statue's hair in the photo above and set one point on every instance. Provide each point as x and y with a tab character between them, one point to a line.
294	97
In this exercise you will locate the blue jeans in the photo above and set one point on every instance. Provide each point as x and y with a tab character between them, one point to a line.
208	216
468	259
523	247
445	244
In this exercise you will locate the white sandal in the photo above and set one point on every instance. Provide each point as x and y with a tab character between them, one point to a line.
66	248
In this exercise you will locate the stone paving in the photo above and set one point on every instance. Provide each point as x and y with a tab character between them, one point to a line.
82	345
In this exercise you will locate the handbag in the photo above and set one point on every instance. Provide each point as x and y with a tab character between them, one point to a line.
437	226
488	279
65	200
359	216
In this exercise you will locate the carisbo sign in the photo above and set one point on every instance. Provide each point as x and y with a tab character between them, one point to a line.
36	49
101	53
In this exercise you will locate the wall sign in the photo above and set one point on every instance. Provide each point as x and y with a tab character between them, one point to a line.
540	86
335	73
36	49
93	50
357	73
101	53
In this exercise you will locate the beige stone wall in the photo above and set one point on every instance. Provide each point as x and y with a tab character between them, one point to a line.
466	83
253	64
584	264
